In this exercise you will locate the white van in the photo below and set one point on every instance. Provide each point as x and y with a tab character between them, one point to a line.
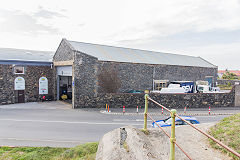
173	88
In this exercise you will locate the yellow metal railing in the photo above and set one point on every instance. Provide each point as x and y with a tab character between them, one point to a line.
172	138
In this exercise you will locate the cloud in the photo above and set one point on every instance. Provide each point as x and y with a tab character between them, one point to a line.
220	47
43	13
185	39
15	21
225	56
174	17
207	28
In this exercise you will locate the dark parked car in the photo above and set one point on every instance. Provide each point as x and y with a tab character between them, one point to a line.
135	91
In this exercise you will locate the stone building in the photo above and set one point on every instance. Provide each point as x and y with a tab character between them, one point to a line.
25	75
75	70
77	66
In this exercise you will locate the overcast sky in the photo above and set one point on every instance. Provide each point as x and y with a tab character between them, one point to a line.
206	28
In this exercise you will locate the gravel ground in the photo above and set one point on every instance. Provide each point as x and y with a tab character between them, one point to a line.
193	143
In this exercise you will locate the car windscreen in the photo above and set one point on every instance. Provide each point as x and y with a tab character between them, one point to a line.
168	121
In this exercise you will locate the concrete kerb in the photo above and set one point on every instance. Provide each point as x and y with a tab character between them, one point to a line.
160	114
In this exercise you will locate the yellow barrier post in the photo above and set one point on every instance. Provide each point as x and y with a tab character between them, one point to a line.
173	138
145	113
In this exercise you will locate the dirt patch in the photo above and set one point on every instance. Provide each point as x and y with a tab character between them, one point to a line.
132	144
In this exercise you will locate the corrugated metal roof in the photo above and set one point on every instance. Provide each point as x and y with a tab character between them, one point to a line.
25	55
119	54
25	63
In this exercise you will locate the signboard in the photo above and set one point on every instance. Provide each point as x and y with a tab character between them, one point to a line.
19	83
188	86
43	85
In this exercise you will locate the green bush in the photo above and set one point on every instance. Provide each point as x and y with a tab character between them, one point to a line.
229	75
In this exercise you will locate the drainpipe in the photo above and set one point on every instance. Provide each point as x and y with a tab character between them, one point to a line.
153	77
73	80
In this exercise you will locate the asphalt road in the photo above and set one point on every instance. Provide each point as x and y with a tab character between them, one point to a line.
55	124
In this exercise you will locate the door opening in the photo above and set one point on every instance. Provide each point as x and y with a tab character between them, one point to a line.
21	96
210	80
65	88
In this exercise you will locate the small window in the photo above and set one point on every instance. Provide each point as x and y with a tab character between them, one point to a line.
18	70
159	84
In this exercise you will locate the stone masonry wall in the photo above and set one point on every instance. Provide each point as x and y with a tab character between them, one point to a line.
64	52
6	84
191	100
133	76
140	76
85	77
31	76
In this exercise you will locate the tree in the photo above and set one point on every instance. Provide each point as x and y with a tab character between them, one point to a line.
229	75
108	79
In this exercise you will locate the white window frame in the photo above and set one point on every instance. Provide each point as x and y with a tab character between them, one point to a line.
14	70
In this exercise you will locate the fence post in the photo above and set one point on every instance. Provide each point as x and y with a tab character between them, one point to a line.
173	138
145	112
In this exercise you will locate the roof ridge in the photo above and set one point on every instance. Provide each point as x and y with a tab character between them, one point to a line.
133	49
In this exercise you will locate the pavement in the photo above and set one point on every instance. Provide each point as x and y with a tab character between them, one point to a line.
55	124
187	112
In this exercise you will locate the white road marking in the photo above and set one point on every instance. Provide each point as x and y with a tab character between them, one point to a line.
142	120
68	122
131	120
206	116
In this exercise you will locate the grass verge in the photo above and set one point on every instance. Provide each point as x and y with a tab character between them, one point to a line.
83	152
225	87
228	132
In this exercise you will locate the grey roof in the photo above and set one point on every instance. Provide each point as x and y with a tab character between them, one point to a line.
119	54
25	55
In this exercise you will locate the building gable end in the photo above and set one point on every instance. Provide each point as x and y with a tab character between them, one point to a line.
64	52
